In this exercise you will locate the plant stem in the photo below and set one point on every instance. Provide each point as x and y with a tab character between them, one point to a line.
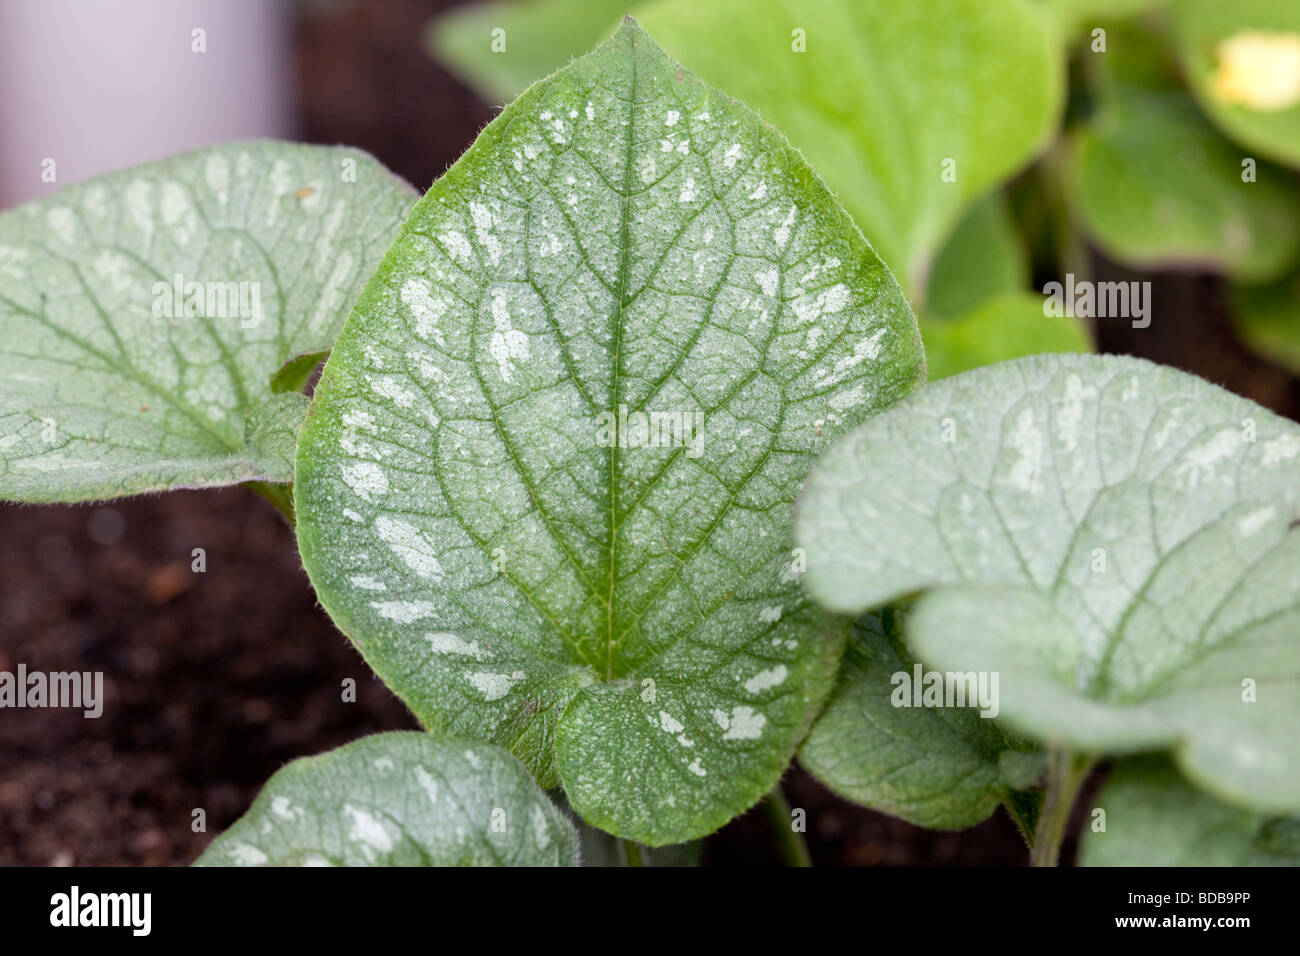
279	495
1066	772
633	853
793	847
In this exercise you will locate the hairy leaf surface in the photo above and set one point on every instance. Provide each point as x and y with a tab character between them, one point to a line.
622	615
1118	540
143	313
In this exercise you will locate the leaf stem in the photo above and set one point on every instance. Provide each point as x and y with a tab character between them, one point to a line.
793	847
279	495
633	853
1066	772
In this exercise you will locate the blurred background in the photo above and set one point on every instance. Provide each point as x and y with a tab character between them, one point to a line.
215	681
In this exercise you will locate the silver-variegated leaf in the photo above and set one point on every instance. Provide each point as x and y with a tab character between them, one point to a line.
547	483
144	312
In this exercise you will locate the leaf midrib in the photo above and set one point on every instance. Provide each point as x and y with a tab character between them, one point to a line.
624	277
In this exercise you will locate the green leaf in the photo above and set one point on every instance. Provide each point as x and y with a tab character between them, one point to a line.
1022	771
1116	539
1007	327
1268	318
1153	818
1156	186
977	308
983	258
1077	16
400	799
1280	836
936	767
500	47
1248	84
624	619
294	374
884	96
108	386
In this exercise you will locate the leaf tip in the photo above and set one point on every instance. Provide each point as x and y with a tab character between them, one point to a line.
629	26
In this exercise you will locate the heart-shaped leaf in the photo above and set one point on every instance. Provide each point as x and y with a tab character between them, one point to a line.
400	799
143	313
910	111
1153	818
546	486
1115	538
1242	61
936	767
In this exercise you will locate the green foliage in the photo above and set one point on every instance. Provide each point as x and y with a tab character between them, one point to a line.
1082	16
1114	538
976	126
625	617
1155	185
935	767
400	799
1153	818
983	258
1252	109
143	313
500	47
294	374
547	480
878	114
1009	326
1268	318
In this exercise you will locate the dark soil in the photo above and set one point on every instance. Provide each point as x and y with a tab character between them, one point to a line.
212	680
215	680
